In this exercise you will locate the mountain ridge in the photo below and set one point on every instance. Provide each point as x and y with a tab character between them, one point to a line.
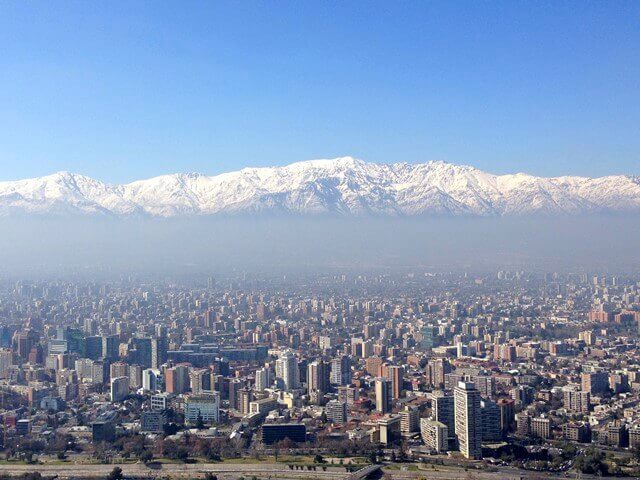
343	186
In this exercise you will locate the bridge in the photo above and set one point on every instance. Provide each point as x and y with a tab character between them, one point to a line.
364	472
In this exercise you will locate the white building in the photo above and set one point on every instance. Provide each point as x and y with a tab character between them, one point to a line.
203	407
468	420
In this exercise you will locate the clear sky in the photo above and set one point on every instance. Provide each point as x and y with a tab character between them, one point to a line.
125	90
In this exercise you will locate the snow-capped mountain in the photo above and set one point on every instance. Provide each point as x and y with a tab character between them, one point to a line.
342	186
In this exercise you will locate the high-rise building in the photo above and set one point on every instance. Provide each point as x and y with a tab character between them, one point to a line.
507	414
318	377
436	370
576	401
395	374
595	382
341	370
135	376
118	369
110	346
468	420
336	412
409	420
287	372
383	395
263	379
119	388
491	431
177	379
348	395
151	380
435	435
443	410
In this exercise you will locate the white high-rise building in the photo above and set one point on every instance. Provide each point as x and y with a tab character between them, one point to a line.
151	379
341	370
468	420
263	379
287	372
383	395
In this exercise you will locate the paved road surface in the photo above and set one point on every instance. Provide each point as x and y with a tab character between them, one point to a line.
264	471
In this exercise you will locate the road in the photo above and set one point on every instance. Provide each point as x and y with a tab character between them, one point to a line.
264	471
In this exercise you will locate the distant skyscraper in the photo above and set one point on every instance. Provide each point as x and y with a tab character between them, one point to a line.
318	377
443	410
336	412
151	379
119	388
341	370
383	395
395	374
287	372
263	379
468	422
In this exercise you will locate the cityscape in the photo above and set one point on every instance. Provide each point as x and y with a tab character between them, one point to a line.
408	372
319	240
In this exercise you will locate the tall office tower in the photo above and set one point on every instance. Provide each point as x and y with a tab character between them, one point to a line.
595	382
287	372
177	379
427	332
468	422
395	373
142	352
318	377
491	431
200	381
159	346
336	412
263	379
234	393
341	370
443	411
93	347
348	395
110	345
245	396
409	420
507	408
6	360
118	369
90	326
135	376
383	395
436	370
119	388
151	379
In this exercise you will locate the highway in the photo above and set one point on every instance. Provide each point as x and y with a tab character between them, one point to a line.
264	471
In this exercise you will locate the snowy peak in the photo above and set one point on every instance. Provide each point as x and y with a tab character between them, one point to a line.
340	186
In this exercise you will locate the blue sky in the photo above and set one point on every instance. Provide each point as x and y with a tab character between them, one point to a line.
127	90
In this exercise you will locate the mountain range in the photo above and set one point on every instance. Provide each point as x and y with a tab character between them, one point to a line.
343	186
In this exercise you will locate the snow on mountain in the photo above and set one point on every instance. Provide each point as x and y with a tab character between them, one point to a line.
342	186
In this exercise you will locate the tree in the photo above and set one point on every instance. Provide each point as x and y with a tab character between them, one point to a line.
199	422
146	456
116	474
592	462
